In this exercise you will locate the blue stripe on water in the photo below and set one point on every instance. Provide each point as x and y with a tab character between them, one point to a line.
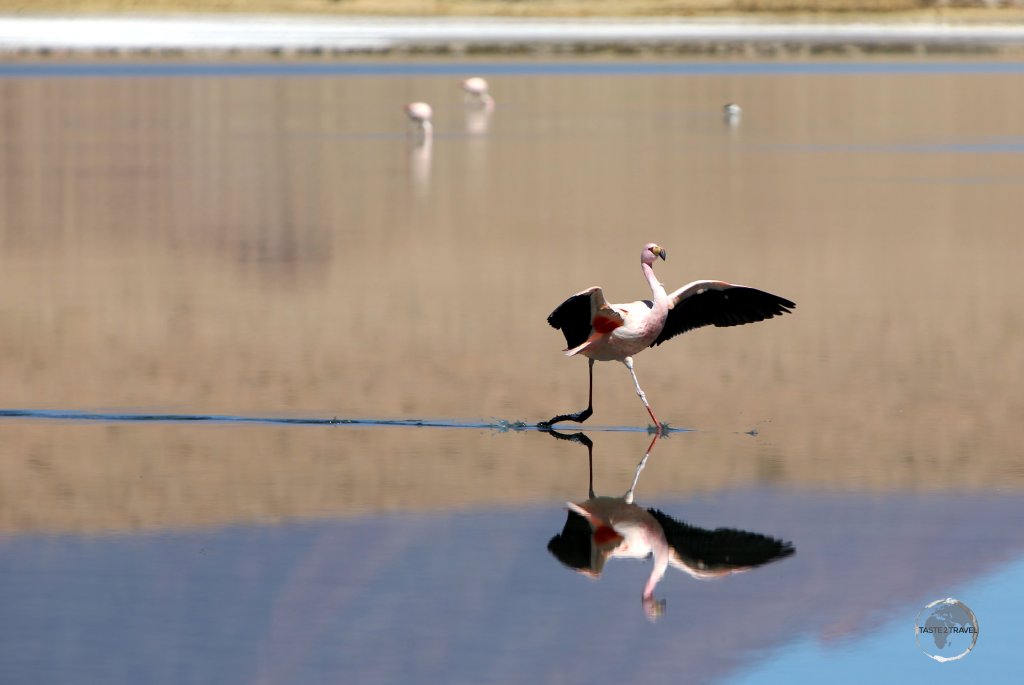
461	68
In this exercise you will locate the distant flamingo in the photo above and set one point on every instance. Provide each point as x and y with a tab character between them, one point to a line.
420	114
732	113
476	93
604	528
479	106
605	332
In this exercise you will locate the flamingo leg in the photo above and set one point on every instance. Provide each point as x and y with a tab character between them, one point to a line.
582	439
578	417
640	467
628	361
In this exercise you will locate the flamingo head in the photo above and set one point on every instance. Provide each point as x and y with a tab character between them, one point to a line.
419	112
652	252
654	608
475	86
477	96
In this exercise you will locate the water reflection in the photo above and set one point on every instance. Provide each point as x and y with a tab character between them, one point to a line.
605	527
420	155
478	120
214	573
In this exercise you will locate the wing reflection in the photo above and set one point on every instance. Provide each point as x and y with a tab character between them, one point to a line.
604	527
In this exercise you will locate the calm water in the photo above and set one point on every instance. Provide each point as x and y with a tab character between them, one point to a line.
274	245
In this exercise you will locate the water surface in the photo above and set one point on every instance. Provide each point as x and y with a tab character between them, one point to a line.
274	255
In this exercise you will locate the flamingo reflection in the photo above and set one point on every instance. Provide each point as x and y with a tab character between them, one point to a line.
478	121
420	162
604	527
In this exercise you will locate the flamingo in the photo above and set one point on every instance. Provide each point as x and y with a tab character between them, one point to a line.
615	332
604	527
732	113
476	93
420	113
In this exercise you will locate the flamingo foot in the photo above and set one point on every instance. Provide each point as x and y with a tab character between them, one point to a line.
658	428
578	417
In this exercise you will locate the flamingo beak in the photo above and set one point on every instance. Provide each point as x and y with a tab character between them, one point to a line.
661	252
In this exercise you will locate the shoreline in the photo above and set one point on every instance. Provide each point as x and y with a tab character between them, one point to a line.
327	35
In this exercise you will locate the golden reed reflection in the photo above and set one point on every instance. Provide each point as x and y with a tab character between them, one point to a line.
259	246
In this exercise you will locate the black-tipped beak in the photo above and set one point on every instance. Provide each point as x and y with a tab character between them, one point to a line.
663	253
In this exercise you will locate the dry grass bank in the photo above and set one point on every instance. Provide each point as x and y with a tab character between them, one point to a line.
966	10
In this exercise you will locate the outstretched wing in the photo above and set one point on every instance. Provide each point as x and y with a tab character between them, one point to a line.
583	315
707	553
717	303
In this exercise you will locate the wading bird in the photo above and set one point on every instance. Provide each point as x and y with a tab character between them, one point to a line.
732	113
420	113
476	93
615	332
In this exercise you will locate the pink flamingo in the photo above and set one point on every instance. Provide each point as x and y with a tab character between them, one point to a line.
420	114
476	93
603	528
606	332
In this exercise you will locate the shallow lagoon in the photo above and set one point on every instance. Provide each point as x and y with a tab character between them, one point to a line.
275	245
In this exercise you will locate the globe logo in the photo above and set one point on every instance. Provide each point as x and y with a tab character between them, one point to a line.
946	630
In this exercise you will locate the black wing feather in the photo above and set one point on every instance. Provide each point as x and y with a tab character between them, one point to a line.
721	549
572	317
732	306
572	546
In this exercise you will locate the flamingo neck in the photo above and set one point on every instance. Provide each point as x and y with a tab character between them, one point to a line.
656	287
660	550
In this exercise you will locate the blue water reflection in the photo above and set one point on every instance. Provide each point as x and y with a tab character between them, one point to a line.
475	597
995	598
